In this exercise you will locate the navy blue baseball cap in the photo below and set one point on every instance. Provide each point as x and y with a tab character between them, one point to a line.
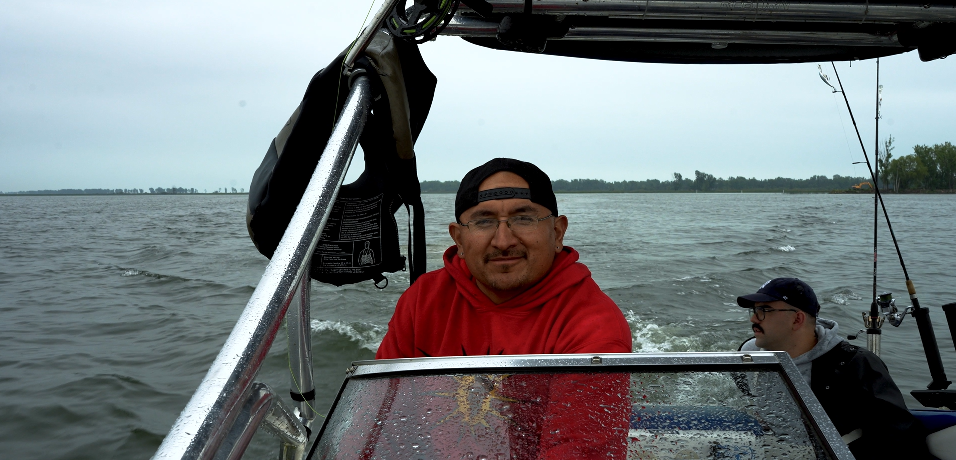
790	290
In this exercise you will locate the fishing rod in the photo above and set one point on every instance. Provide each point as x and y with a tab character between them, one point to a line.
872	319
874	322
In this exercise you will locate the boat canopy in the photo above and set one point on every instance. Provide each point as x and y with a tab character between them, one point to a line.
664	406
711	31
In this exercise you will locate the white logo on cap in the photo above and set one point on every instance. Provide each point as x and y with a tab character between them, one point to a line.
765	284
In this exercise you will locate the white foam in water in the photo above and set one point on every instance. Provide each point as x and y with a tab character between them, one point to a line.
650	338
843	297
787	248
368	336
132	273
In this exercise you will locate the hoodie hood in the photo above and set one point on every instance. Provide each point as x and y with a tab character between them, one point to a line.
564	273
827	338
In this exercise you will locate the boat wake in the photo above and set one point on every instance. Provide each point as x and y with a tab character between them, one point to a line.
366	335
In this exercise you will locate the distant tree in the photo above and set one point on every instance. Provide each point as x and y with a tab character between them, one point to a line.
234	190
704	181
678	181
906	172
883	160
946	156
928	175
242	190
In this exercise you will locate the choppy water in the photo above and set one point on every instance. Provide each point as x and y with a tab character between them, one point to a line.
112	308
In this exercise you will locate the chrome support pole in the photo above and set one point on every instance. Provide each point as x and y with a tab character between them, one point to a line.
294	435
368	32
262	406
300	353
874	331
203	425
873	343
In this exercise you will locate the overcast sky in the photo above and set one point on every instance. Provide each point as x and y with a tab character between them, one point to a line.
110	94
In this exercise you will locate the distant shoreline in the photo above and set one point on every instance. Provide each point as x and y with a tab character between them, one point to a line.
702	183
578	192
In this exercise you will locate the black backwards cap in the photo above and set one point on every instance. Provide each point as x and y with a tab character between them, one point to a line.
539	186
790	290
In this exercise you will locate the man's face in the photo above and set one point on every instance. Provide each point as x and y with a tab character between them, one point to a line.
503	262
775	332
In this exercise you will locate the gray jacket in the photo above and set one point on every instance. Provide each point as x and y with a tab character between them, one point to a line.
827	338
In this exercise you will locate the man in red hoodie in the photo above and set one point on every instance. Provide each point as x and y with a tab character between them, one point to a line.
510	286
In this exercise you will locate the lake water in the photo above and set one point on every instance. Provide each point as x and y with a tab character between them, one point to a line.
112	308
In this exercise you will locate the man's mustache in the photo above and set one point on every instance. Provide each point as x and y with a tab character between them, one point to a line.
510	252
757	327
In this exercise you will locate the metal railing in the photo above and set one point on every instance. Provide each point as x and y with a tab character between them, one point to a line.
228	407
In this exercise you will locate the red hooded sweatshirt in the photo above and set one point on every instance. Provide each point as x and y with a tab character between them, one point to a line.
553	416
445	314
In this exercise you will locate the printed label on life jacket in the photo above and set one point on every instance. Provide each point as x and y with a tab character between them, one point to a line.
352	238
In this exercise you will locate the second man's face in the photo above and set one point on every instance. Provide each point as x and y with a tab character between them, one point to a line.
774	331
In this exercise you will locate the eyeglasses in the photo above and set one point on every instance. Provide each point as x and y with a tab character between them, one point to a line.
761	311
519	225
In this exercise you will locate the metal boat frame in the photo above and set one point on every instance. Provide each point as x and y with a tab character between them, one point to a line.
228	407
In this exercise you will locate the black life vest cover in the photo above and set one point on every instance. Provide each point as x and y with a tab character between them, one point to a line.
360	240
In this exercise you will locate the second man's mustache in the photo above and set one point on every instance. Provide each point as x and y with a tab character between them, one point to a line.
757	327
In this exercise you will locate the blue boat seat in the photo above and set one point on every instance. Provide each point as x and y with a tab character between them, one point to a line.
942	427
680	432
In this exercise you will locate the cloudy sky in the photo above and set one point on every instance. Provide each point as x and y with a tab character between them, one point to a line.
110	94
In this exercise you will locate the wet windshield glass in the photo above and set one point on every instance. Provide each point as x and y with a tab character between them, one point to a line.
667	415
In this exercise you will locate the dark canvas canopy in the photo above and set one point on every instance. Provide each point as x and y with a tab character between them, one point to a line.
711	31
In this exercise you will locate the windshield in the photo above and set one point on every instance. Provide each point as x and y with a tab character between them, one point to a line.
665	415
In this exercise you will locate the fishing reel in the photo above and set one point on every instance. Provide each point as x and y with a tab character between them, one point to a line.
889	312
422	21
887	305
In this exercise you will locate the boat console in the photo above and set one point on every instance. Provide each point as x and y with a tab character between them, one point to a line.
635	406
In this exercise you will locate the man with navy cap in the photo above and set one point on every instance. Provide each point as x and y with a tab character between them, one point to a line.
851	383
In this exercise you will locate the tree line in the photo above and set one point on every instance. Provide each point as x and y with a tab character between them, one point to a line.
927	169
701	182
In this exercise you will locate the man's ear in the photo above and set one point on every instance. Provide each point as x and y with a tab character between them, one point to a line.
454	230
560	228
800	319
